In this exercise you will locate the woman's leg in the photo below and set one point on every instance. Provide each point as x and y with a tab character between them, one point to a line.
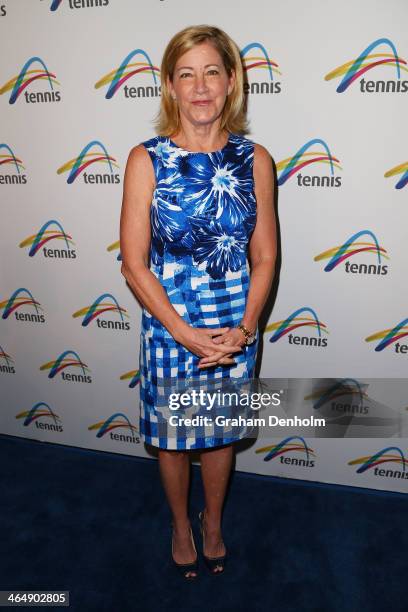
175	474
215	471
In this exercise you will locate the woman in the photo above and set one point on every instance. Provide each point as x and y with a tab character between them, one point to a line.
198	203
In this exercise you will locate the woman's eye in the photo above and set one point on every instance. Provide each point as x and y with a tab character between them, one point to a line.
183	75
213	71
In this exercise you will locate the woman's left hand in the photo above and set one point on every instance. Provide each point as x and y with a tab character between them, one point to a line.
235	337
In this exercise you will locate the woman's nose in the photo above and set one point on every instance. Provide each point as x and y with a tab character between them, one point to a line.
200	84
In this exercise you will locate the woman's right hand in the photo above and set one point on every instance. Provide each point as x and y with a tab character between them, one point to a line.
198	340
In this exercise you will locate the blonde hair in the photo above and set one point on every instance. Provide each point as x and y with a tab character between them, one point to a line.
233	116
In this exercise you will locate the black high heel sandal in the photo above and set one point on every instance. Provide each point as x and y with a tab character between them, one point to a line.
185	568
211	562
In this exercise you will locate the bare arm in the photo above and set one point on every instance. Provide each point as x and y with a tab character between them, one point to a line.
262	247
135	238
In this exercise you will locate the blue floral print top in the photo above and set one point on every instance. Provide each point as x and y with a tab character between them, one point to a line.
204	208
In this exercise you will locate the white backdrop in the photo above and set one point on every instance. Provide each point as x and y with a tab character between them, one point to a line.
63	381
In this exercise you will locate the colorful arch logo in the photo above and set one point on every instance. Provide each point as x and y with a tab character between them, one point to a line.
352	70
36	241
100	306
55	4
126	70
400	169
67	359
117	420
352	246
389	336
38	411
294	321
86	158
9	361
383	456
303	157
262	61
20	297
19	83
286	446
133	376
113	247
7	159
346	386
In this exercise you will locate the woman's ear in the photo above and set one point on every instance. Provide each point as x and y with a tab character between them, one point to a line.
170	88
231	83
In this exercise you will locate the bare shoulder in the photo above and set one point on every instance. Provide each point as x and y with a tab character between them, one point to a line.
138	156
262	157
139	165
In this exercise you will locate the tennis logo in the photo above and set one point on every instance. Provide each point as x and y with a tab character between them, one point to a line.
260	70
391	454
355	69
22	298
295	321
12	169
345	396
93	153
6	362
294	445
39	242
116	421
352	247
128	69
320	158
67	359
133	376
79	4
103	304
390	336
42	411
26	77
401	169
115	246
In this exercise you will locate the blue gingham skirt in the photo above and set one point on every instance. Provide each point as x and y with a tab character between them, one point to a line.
166	364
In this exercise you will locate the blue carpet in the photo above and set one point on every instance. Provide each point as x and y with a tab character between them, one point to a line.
97	524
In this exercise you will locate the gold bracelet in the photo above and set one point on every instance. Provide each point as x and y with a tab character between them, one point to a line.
248	334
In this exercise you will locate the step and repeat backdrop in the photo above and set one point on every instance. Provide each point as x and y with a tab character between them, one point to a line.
327	88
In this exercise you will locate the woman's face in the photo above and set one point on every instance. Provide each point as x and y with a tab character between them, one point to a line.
201	85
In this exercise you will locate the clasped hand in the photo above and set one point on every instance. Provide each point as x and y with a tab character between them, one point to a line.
214	346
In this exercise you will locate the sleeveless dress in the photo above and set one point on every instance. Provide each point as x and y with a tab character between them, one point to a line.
202	215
